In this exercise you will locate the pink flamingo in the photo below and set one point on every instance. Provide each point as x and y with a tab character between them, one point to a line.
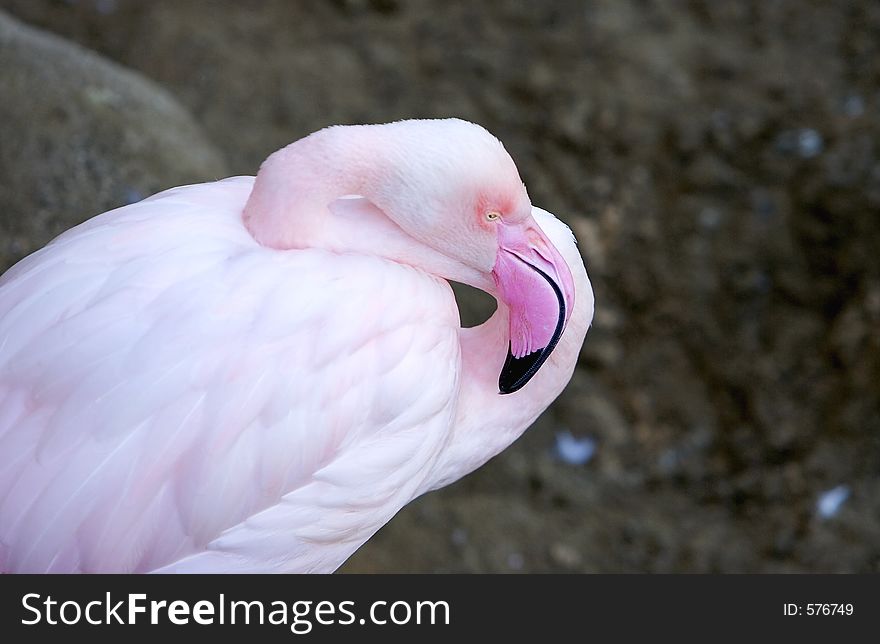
254	375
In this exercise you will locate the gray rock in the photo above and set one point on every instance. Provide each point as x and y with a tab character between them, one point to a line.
81	135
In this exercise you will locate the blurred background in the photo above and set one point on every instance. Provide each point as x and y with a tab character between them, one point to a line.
718	161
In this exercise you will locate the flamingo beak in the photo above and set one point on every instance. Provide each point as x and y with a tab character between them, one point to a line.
536	285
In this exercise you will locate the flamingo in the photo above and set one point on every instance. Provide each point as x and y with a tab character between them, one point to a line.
256	374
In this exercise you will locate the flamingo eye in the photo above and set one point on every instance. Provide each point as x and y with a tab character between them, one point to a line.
493	215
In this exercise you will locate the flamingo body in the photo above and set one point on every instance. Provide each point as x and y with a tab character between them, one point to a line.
176	396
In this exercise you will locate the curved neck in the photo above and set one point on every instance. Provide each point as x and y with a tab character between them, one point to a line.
288	205
290	208
488	422
296	203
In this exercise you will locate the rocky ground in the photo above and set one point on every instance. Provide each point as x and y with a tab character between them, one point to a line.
719	161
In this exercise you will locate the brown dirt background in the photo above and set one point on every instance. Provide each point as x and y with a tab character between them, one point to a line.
720	164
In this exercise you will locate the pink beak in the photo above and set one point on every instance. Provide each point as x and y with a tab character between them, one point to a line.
536	285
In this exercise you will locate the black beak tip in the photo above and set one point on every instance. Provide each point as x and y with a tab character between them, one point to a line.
516	372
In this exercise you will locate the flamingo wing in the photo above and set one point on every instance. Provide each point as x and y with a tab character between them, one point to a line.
174	396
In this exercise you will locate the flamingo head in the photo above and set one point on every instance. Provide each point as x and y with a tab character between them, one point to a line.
447	184
461	194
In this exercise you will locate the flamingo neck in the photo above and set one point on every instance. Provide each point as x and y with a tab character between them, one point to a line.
487	422
297	203
287	207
